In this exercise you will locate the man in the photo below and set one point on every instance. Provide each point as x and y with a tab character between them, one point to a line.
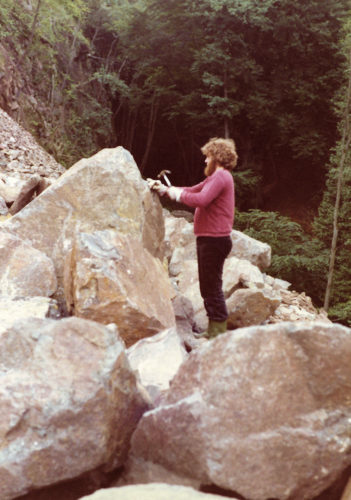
214	201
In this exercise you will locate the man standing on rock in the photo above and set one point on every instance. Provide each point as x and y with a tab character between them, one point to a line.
214	202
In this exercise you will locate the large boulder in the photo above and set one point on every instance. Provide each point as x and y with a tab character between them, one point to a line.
111	278
105	191
262	411
69	402
24	270
157	491
179	233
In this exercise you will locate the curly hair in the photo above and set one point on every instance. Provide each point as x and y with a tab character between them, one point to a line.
222	151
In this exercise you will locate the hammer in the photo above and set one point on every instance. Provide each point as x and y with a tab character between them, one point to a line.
163	174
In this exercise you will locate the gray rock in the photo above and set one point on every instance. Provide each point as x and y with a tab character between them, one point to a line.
250	306
69	403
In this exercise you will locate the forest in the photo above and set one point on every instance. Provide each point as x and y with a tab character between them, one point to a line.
162	77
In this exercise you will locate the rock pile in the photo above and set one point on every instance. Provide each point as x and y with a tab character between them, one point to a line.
101	373
263	412
26	169
20	154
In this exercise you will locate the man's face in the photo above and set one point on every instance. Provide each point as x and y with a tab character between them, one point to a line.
210	166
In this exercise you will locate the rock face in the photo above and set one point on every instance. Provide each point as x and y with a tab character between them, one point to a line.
245	247
68	401
30	307
24	271
249	306
34	186
115	280
10	189
156	360
105	191
151	492
262	411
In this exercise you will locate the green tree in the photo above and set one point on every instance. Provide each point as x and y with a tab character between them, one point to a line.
296	256
262	72
332	226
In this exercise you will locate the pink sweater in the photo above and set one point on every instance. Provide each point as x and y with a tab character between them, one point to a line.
214	200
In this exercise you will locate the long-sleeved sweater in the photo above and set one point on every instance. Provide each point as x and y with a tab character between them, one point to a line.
214	201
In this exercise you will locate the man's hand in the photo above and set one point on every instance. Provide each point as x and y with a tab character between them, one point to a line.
174	193
157	186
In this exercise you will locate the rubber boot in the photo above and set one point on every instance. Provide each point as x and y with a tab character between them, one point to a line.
214	328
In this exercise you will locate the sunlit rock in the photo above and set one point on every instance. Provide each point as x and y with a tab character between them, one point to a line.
245	247
151	492
156	360
10	187
24	270
115	280
156	491
28	307
240	273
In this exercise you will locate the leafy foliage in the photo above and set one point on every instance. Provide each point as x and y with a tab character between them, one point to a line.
296	257
48	37
334	212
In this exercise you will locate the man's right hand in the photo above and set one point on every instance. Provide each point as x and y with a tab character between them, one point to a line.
156	185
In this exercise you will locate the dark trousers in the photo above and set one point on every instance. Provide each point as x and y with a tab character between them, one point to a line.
211	254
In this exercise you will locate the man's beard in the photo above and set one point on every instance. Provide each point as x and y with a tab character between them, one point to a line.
210	167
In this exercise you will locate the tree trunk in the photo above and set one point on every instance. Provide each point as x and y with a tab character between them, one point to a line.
151	130
345	143
225	94
31	36
132	128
